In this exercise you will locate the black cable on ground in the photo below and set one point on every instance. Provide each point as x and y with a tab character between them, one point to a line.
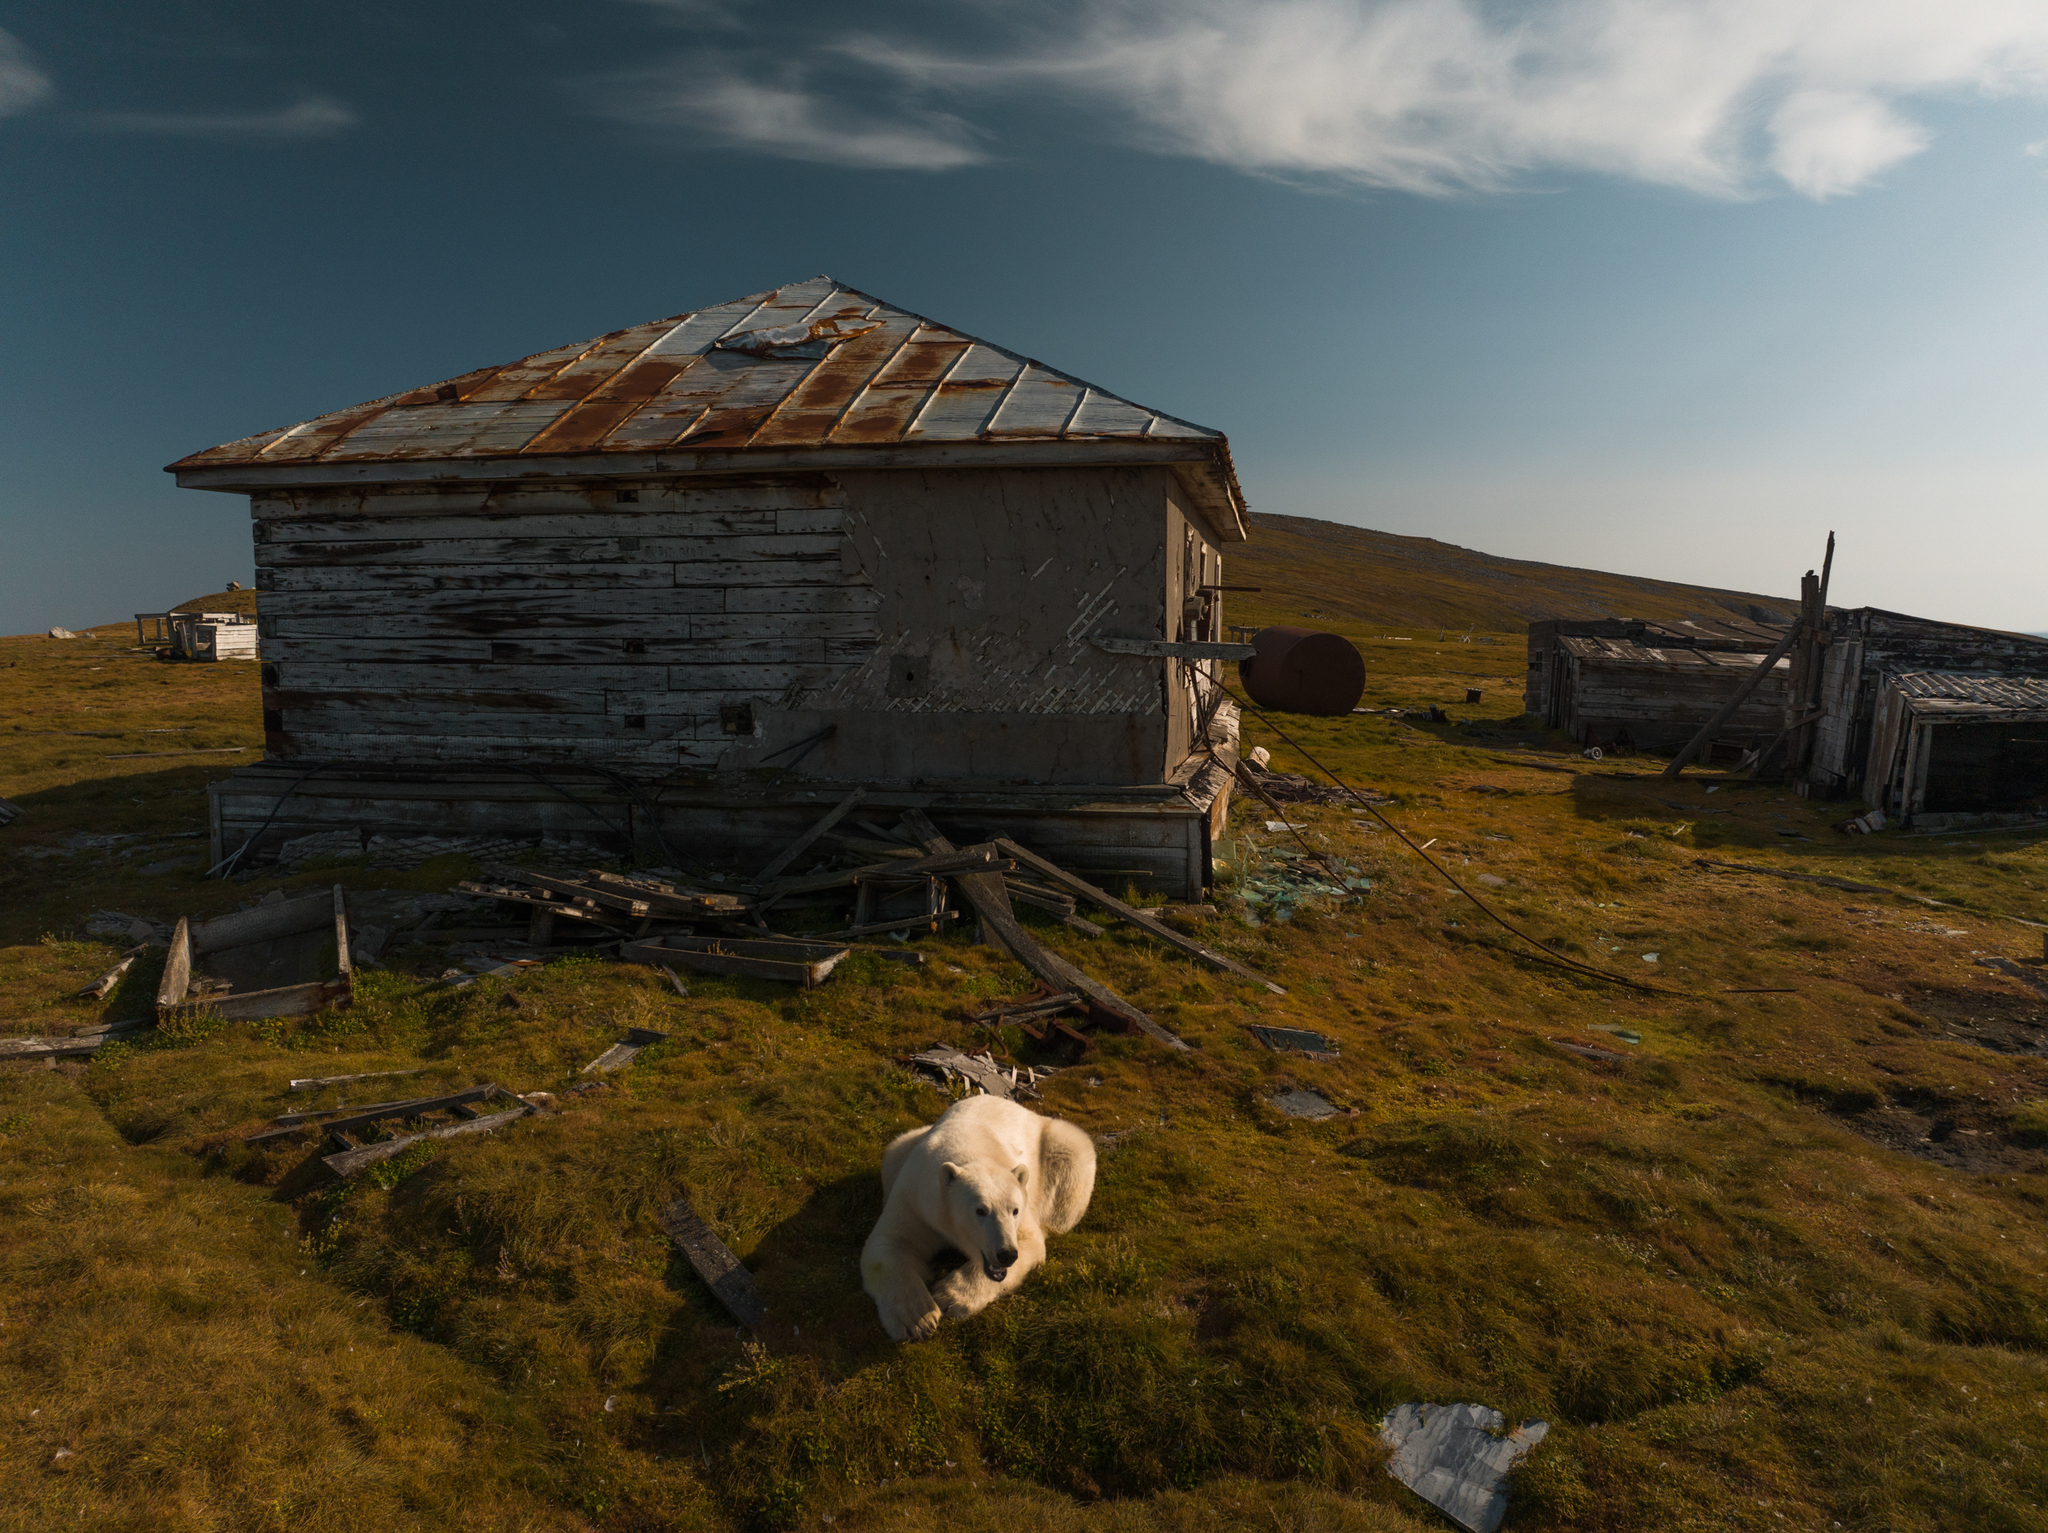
1543	954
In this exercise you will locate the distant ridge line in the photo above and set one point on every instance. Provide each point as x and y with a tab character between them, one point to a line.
1304	566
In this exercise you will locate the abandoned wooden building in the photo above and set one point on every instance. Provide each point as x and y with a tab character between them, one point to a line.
1950	749
692	579
1869	649
1632	683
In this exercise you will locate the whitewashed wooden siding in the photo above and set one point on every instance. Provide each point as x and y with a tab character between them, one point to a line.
532	624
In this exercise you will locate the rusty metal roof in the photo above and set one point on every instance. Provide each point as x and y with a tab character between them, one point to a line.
1972	693
815	373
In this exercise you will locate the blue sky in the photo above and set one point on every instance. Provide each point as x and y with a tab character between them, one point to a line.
1668	288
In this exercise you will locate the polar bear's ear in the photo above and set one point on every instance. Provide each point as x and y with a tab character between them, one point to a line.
1022	1173
952	1171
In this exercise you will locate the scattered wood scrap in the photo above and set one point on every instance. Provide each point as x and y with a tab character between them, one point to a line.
98	989
458	1109
1042	1004
790	959
1137	918
320	1082
803	843
990	898
730	1283
623	1053
946	1065
249	950
76	1046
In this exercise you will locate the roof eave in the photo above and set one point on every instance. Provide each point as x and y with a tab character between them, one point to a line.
1202	468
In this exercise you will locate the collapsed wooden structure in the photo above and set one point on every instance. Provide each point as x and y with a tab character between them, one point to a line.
1952	749
685	582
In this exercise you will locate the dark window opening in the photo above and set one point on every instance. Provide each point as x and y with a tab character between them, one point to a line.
504	649
736	718
269	674
636	721
273	721
634	646
626	497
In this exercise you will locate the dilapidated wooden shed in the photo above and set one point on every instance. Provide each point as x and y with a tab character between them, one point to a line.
701	574
1642	685
1959	748
1868	649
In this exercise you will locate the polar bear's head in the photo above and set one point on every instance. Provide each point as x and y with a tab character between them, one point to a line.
990	1203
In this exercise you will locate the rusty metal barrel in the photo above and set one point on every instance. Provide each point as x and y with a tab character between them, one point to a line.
1298	670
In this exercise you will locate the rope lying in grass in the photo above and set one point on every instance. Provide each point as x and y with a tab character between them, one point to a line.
1542	953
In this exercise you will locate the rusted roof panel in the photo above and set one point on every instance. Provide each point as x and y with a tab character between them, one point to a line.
1977	689
808	366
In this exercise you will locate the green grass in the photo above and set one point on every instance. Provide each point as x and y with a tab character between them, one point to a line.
1712	1268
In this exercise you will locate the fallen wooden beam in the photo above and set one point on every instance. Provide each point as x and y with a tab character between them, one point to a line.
991	901
348	1162
730	1283
803	843
1137	918
316	1082
981	858
98	989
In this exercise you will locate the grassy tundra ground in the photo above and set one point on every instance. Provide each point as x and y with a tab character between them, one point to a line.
1780	1268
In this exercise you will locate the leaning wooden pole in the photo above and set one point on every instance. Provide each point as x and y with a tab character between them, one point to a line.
1750	683
1809	670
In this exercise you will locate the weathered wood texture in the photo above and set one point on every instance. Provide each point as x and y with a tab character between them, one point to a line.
567	624
1659	697
1867	645
1152	836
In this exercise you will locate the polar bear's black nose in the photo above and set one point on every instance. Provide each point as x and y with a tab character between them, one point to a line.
1007	1257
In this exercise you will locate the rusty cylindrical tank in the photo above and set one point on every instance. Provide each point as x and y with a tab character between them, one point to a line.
1297	670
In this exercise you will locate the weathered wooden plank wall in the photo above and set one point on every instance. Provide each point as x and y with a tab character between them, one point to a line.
941	621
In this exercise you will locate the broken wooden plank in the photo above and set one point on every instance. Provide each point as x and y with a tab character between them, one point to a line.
97	990
991	901
623	1053
803	843
730	1283
1137	918
675	979
316	1082
1032	1006
50	1048
981	858
578	890
790	959
177	977
348	1162
364	1117
532	900
667	899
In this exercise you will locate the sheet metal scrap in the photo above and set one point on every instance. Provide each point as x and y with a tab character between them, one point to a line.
1454	1457
946	1065
1294	1040
1311	1105
621	1054
721	1271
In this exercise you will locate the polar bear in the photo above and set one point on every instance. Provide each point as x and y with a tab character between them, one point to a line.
989	1178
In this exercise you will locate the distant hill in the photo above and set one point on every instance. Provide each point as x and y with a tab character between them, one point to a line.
1307	568
243	600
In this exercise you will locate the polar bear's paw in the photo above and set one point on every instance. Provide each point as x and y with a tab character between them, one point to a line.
909	1318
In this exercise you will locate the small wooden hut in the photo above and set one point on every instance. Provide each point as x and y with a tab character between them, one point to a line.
1646	685
1959	748
695	578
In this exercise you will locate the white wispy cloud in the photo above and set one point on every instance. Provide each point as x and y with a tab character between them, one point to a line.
712	98
1722	97
22	84
310	117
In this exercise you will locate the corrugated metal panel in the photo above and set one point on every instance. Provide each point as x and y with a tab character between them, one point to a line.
2024	693
855	371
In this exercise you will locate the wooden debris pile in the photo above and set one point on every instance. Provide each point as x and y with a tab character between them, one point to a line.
363	1135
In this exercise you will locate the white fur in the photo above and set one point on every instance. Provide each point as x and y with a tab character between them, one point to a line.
990	1178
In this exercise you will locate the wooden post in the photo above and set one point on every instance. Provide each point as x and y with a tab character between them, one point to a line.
1727	710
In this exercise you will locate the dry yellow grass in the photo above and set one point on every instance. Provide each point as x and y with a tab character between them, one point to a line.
1727	1269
